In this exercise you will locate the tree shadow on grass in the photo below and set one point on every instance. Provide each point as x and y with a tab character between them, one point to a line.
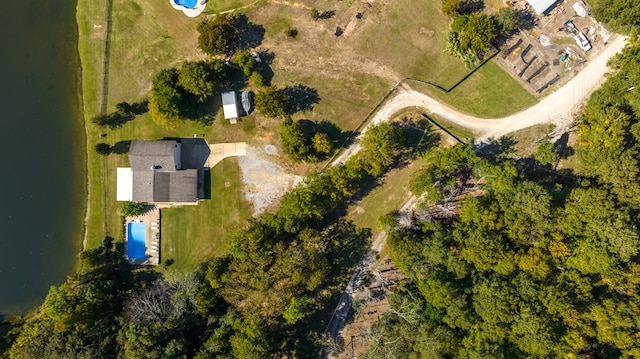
300	98
250	35
497	150
472	6
121	147
420	136
327	15
124	113
562	146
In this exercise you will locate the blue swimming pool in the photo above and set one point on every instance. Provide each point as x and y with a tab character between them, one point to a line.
136	233
189	4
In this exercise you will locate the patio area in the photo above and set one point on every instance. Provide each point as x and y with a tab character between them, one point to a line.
151	218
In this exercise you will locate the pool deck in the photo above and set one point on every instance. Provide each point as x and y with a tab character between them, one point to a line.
200	5
151	218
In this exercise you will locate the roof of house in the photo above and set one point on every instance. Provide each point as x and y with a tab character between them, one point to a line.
230	105
157	173
159	154
170	186
540	6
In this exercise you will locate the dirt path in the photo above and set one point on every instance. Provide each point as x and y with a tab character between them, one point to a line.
558	108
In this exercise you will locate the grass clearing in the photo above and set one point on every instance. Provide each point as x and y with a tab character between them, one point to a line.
505	97
350	73
526	139
218	6
191	234
388	196
463	134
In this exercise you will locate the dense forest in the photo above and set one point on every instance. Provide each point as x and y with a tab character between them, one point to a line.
535	263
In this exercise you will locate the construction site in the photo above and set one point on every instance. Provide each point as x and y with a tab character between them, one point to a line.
555	40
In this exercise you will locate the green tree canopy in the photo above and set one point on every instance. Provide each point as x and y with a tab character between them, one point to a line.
202	78
216	36
271	102
477	32
131	209
506	20
546	154
622	15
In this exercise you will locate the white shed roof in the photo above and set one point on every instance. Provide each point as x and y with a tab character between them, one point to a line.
540	6
124	188
230	105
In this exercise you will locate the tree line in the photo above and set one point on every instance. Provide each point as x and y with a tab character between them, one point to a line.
527	265
266	298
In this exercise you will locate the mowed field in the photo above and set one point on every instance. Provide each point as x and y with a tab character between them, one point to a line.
351	73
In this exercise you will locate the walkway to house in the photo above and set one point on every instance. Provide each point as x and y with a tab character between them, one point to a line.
220	151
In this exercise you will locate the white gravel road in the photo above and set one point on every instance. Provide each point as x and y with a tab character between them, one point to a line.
558	108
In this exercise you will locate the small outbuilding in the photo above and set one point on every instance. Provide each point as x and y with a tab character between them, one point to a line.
230	105
541	6
579	9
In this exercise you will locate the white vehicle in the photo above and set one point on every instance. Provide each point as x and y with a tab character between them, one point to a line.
582	41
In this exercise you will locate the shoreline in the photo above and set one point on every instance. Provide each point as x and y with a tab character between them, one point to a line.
83	43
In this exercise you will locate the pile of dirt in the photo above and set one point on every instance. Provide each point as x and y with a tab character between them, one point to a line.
265	179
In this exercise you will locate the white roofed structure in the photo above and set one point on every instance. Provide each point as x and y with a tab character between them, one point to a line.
230	105
124	188
540	6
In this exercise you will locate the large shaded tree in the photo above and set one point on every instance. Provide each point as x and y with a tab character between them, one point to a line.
202	78
216	36
271	102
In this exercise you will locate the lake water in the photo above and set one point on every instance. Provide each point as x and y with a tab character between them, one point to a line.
42	185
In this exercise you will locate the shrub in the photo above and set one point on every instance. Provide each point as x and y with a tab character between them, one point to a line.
451	8
315	14
244	60
271	102
546	154
292	33
257	79
130	209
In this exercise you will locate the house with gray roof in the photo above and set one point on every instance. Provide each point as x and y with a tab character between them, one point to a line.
164	171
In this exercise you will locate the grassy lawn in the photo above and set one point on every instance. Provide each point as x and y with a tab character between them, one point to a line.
463	134
489	93
350	73
525	140
193	233
389	196
217	6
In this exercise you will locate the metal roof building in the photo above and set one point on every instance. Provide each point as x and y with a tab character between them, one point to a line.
230	105
540	6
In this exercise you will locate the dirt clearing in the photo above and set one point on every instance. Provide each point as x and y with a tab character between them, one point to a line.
265	180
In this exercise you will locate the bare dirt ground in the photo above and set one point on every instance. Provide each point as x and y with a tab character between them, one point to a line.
265	179
372	303
532	56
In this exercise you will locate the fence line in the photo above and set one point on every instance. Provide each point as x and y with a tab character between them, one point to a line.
104	93
104	81
393	89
